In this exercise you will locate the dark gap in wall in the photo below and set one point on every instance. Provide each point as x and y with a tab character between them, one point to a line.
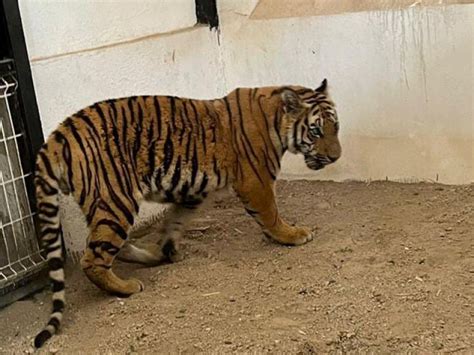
206	13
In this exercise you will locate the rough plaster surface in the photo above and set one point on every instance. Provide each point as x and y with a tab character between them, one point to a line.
58	27
402	79
267	9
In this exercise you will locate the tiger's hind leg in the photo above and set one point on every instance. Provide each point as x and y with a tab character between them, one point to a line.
173	228
106	239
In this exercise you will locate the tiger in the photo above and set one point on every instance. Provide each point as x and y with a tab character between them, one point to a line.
117	153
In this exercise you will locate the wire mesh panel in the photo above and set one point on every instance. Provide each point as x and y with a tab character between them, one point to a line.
19	249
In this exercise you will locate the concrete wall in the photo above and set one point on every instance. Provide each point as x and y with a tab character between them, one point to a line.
402	78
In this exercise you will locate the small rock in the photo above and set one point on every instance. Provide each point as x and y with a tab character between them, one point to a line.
232	299
303	291
227	342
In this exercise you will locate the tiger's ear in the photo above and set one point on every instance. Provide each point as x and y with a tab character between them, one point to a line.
291	101
323	87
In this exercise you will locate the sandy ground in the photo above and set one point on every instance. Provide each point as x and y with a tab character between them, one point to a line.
390	270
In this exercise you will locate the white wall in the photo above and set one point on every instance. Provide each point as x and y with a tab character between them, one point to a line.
402	79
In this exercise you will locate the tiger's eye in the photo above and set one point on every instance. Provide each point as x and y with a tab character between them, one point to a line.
315	131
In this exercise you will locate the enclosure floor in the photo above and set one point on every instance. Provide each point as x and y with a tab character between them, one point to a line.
390	270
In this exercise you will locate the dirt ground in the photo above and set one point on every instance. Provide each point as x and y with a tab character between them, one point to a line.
391	269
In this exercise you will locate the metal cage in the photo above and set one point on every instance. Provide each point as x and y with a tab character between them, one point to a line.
20	254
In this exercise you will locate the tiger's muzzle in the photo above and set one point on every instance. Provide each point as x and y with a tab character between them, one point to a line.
318	162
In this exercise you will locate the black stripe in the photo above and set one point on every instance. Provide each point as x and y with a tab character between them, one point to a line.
48	209
54	322
158	179
277	126
51	249
50	230
42	337
176	174
200	123
186	113
138	129
117	228
173	112
55	264
251	212
70	124
188	146
57	285
168	150
60	138
184	190
45	186
105	246
216	171
104	206
151	147
82	197
194	165
91	213
184	124
234	139
270	172
158	115
254	93
58	306
151	158
204	182
252	166
47	165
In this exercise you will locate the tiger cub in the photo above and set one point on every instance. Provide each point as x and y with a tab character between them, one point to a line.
116	153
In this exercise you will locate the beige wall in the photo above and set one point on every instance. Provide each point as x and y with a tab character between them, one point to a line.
268	9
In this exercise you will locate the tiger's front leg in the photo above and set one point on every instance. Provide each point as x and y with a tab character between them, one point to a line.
259	201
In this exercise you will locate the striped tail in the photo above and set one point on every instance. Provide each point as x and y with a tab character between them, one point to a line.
47	195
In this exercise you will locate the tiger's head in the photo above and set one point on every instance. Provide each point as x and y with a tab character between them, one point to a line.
312	125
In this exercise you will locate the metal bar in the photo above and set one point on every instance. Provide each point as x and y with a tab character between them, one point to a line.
23	180
26	91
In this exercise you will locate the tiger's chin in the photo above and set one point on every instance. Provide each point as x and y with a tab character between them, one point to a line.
314	163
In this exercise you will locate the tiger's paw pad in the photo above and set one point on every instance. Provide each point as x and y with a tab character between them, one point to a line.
132	286
301	235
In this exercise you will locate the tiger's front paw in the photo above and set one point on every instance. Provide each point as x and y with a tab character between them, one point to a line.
301	235
292	236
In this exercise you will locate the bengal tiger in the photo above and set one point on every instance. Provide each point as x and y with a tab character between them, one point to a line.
117	153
